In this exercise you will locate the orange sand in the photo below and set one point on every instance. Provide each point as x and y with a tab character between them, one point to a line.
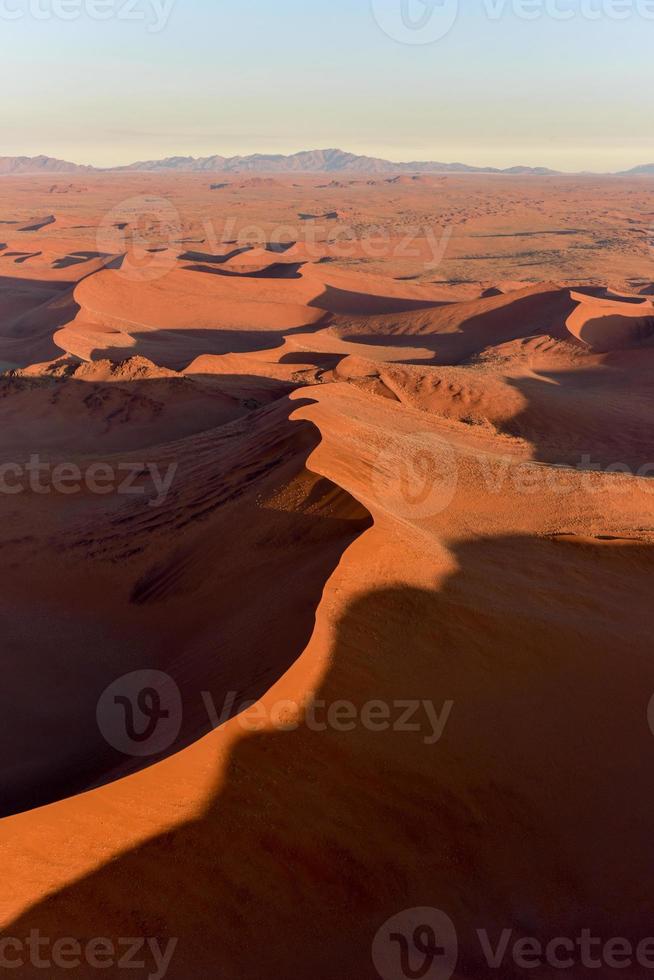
391	483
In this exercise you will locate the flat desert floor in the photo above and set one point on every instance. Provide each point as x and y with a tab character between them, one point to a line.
383	531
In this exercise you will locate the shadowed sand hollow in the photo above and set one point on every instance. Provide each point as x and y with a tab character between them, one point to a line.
388	486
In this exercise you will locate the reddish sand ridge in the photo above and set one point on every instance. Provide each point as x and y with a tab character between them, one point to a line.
383	489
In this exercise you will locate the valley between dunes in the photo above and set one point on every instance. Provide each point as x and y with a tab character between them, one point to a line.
397	475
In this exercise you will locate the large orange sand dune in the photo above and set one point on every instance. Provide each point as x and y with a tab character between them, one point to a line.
387	486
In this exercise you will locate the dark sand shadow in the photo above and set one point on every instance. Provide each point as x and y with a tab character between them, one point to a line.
520	318
182	611
278	270
533	812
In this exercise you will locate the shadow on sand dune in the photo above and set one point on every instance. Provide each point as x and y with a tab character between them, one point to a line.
351	303
78	258
502	320
30	312
207	258
594	417
278	270
176	349
533	812
112	606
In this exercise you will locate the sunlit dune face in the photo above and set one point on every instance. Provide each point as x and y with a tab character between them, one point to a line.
311	453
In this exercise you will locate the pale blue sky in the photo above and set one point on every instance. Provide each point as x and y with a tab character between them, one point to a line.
240	76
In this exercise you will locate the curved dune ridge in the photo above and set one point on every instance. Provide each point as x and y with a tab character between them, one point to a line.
606	324
346	488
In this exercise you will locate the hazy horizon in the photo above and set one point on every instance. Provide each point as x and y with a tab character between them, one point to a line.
399	159
497	89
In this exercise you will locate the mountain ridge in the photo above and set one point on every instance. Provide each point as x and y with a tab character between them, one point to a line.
40	164
329	161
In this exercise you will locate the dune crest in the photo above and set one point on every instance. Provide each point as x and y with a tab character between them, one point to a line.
356	478
605	325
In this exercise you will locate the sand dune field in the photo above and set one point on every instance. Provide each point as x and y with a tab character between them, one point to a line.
293	448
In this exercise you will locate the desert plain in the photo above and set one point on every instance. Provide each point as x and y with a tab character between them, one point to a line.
385	517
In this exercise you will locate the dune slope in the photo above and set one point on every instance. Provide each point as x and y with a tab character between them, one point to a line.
350	493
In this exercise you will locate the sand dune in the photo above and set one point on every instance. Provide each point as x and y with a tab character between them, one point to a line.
182	315
606	325
387	484
221	478
456	332
71	406
38	224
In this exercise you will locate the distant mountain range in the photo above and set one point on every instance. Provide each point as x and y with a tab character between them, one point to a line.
39	165
314	161
306	162
647	169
